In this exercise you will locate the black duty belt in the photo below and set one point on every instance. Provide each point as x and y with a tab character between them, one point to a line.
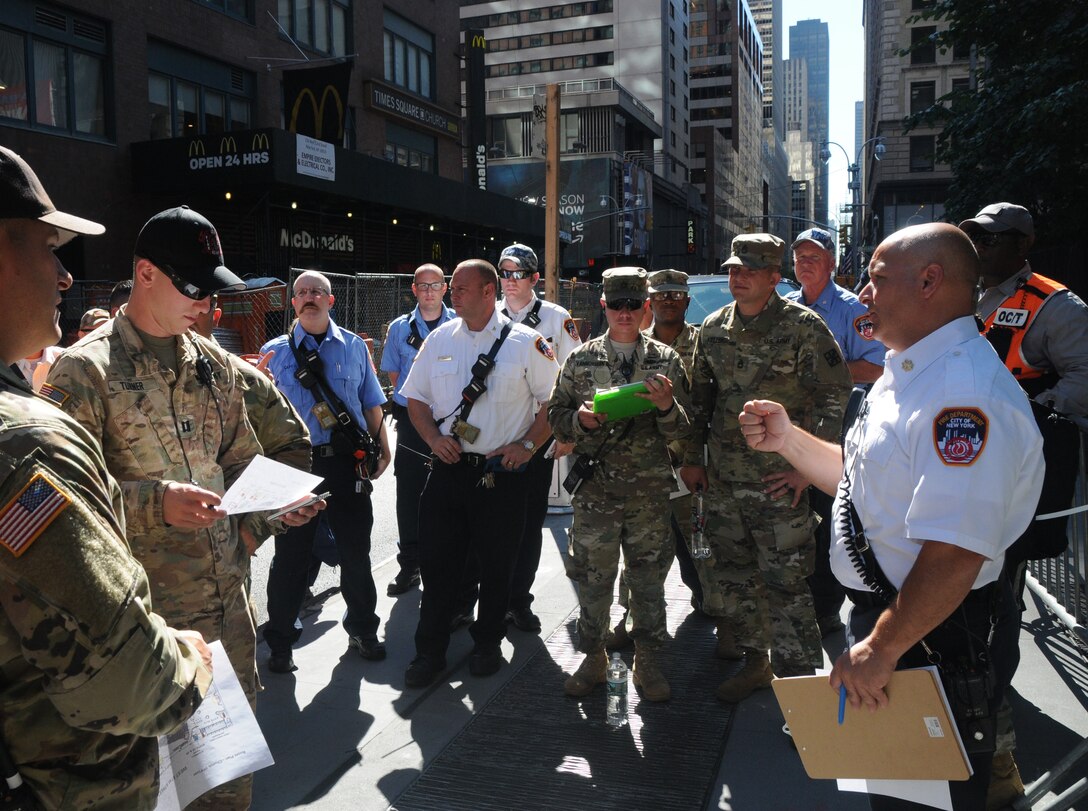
866	599
327	450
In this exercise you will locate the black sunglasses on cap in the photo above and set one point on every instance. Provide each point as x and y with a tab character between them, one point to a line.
515	274
185	288
631	304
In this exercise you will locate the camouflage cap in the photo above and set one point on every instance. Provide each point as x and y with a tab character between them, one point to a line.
621	283
756	251
662	281
521	255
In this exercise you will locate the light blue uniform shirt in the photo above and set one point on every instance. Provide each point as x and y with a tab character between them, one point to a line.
839	308
346	367
397	355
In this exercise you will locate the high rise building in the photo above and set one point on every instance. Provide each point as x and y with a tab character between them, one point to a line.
768	17
727	121
809	41
626	134
907	186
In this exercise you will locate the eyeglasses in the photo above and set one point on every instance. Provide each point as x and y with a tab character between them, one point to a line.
988	240
429	285
669	295
316	292
185	288
631	304
515	274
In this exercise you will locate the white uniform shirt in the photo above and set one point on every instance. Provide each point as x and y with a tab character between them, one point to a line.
947	451
524	373
556	325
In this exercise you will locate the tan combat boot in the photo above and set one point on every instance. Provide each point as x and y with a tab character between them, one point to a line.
1005	782
727	643
647	675
592	671
755	675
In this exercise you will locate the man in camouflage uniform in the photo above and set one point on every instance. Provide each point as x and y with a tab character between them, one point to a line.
624	505
164	402
90	675
762	546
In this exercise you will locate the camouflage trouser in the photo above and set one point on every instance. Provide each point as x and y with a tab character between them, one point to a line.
681	510
237	631
639	524
761	552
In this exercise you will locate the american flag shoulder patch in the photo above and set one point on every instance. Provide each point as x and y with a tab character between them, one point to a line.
52	393
29	513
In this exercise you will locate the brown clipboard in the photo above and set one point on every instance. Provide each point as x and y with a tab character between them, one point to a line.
912	738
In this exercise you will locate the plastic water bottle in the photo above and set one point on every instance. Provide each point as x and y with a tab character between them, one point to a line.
616	714
699	549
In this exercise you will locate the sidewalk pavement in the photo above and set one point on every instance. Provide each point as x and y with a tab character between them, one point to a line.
345	733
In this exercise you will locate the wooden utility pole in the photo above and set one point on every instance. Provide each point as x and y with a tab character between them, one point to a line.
551	194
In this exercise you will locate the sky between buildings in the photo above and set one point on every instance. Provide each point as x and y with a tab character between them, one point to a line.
847	64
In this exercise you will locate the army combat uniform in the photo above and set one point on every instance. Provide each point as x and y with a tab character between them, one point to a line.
88	676
158	427
762	548
626	502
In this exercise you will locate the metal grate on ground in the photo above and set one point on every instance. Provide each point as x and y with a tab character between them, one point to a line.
532	747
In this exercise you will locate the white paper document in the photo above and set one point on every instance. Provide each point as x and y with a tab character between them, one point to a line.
267	485
220	742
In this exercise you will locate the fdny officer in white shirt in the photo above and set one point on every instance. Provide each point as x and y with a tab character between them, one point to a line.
519	275
474	394
942	472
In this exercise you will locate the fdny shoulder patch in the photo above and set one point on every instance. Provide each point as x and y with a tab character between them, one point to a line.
863	325
53	394
959	435
543	348
572	329
29	513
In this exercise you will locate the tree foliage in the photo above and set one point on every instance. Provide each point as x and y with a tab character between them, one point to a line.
1022	134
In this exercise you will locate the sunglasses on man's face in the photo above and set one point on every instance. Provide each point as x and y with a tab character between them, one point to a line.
669	295
631	304
185	288
988	240
515	274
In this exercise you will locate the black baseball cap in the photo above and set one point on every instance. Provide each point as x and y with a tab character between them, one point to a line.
22	197
183	242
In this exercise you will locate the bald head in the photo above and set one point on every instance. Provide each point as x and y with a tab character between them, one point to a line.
922	278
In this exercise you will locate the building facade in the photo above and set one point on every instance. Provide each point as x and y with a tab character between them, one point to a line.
809	41
125	108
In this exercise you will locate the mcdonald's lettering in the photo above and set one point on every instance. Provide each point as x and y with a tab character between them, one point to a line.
479	41
318	108
260	141
227	144
196	148
481	167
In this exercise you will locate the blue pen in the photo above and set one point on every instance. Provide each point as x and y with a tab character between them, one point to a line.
842	703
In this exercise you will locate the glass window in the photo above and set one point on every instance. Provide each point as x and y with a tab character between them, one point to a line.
214	112
188	115
922	96
50	85
239	114
302	29
409	55
922	150
338	30
90	94
158	102
12	76
321	25
399	60
425	74
923	48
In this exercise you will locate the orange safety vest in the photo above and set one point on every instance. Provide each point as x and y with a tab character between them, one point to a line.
1009	323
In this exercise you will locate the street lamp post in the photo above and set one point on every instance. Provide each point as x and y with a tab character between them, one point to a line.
855	190
635	204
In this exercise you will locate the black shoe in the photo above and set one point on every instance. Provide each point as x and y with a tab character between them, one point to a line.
484	663
422	671
368	647
281	662
405	581
524	620
460	619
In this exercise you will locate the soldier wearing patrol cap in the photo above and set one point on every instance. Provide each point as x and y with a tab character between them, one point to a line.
624	503
167	406
762	547
90	675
